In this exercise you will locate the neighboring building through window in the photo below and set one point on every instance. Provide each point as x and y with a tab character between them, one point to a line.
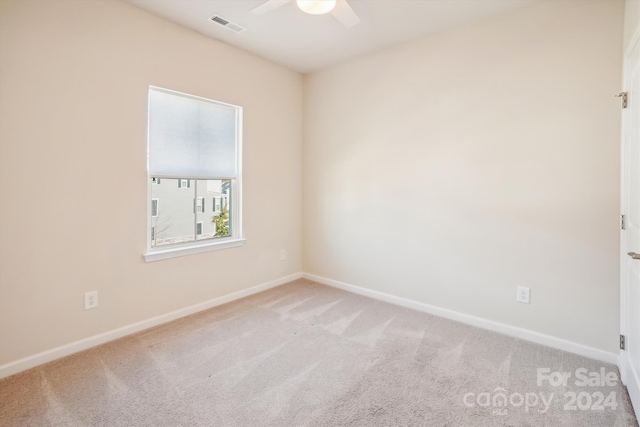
194	154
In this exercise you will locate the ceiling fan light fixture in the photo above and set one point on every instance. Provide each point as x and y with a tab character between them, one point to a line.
316	7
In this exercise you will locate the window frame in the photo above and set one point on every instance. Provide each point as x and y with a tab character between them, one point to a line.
204	245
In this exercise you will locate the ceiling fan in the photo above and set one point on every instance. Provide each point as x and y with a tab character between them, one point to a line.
340	9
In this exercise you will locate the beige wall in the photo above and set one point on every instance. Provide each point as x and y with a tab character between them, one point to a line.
73	83
452	169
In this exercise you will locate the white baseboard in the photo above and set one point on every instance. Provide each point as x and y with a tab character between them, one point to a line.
525	334
631	379
74	347
479	322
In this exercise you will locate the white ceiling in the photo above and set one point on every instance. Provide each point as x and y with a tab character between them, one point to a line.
307	43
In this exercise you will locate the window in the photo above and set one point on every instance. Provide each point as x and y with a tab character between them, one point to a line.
194	154
154	208
217	204
199	204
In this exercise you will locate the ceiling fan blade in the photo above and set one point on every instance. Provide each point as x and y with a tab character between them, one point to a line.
345	14
268	6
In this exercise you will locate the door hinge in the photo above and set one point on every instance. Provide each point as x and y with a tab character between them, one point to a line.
623	225
624	96
622	342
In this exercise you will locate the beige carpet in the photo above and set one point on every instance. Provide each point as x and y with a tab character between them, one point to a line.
304	354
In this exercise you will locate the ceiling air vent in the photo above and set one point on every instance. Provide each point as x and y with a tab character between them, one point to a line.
231	26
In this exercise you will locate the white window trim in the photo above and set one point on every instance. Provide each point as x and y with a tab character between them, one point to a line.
206	246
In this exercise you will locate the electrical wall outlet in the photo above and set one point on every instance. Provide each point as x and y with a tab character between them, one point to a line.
522	295
283	254
90	300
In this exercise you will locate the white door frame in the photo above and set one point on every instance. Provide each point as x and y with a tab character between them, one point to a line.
628	375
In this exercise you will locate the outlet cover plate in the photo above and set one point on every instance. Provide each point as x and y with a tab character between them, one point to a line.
522	295
90	300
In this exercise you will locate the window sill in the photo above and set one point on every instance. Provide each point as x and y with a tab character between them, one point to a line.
159	254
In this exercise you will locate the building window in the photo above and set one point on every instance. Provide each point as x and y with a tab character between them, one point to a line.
199	204
217	204
196	143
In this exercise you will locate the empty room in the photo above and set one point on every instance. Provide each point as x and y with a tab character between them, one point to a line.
319	213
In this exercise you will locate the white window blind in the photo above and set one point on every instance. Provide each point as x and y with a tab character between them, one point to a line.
192	137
